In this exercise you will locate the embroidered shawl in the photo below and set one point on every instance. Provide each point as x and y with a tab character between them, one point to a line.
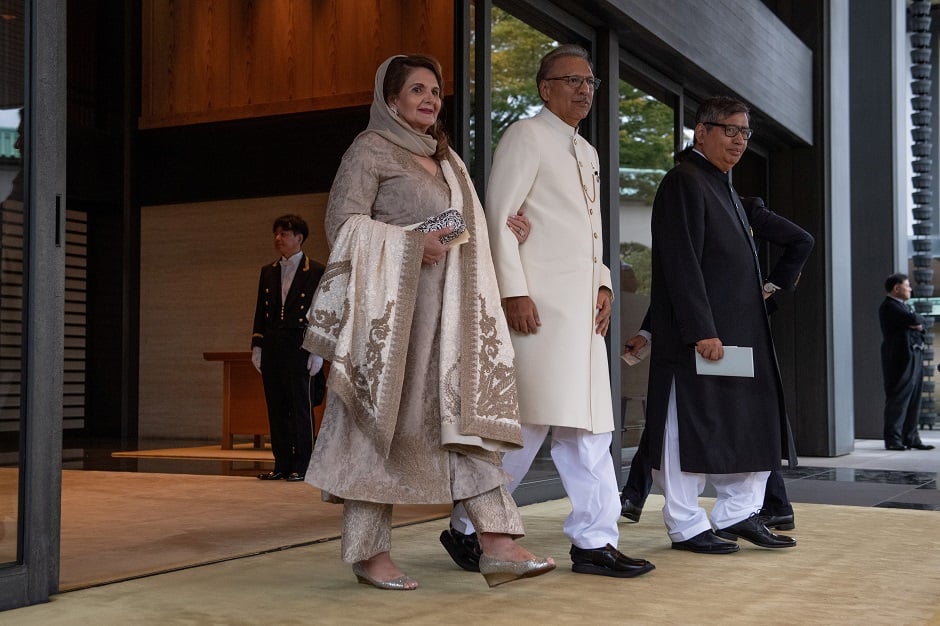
360	320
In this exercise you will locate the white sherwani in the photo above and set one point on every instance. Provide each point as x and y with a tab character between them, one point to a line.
545	168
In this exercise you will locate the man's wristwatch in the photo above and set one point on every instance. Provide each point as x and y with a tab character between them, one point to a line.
770	288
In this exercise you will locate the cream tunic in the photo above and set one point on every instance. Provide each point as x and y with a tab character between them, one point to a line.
545	168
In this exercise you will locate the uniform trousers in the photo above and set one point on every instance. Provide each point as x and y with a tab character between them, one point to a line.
902	406
586	468
367	526
739	495
287	394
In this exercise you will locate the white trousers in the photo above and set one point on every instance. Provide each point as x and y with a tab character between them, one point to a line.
586	468
739	495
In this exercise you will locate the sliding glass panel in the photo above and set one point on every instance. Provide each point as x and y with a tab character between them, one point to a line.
646	149
12	147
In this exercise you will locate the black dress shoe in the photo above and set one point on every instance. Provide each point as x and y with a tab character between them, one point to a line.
706	542
921	446
754	531
295	478
778	522
273	476
464	549
894	446
630	511
607	561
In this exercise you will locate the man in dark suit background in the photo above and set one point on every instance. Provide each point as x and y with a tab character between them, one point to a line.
902	365
285	291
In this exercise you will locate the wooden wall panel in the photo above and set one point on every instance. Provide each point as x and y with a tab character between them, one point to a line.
199	266
234	59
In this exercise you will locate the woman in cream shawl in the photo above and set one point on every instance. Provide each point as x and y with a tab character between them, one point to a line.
422	391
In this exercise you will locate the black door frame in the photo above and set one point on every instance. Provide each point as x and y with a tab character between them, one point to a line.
35	575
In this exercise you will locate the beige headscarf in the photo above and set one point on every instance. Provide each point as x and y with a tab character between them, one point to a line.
388	124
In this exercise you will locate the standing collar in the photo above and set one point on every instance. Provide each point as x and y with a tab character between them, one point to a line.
557	123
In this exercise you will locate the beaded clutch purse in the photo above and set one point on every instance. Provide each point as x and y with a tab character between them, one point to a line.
449	218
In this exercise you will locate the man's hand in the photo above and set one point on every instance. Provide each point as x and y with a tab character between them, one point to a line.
710	349
522	315
602	319
256	358
634	345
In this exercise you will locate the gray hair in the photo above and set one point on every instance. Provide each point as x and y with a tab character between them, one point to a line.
566	50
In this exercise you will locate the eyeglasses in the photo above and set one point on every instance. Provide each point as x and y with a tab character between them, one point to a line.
575	82
731	130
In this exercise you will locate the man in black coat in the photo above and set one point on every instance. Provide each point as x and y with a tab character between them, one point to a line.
285	291
776	512
708	293
902	365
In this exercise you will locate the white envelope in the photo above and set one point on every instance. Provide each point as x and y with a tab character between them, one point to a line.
633	359
737	361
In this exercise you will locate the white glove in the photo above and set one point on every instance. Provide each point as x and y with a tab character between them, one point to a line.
256	358
314	363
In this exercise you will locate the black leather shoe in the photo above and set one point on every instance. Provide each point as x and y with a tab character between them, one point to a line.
706	542
778	522
630	511
295	478
273	476
754	531
894	446
607	561
464	549
921	446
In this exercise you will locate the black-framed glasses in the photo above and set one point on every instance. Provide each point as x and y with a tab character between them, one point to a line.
575	82
731	130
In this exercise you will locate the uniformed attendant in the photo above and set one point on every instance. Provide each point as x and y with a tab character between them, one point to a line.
285	290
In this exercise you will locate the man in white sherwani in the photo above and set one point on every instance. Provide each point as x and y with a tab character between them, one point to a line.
557	295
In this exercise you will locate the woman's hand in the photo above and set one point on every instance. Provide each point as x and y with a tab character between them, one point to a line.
434	250
520	226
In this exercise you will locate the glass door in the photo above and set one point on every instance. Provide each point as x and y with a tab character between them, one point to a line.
646	145
32	210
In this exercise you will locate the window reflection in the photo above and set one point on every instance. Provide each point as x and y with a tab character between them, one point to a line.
646	143
12	146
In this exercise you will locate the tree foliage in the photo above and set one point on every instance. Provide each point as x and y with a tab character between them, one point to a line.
640	258
516	51
646	143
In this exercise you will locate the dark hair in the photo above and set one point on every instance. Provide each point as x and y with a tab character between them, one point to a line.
893	280
717	108
548	61
395	76
293	223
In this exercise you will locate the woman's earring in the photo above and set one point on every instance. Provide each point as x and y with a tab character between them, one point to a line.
394	109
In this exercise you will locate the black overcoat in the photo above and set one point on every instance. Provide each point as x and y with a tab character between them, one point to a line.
707	283
898	343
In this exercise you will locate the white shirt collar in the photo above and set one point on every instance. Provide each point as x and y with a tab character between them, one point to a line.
293	261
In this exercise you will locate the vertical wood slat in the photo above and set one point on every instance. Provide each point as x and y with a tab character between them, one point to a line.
231	59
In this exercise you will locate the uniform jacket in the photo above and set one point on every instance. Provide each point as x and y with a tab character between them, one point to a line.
898	343
270	313
545	168
707	283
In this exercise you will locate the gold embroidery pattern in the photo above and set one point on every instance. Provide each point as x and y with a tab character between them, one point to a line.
365	378
496	381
